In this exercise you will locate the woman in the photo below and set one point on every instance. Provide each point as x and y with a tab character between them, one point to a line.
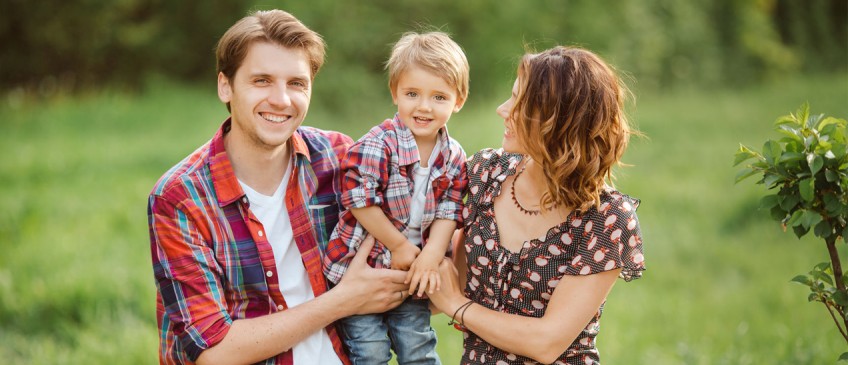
545	237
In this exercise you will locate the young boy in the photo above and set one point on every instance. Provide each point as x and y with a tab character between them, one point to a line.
403	184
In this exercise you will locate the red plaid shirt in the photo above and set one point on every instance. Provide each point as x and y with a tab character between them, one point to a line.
378	171
211	259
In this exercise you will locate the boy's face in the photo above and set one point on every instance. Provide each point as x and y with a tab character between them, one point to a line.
269	95
425	103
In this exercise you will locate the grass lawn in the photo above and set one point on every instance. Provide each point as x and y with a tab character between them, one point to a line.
76	285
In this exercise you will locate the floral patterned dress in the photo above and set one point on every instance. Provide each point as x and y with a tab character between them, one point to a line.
522	282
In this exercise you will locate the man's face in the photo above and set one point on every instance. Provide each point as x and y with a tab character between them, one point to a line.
269	95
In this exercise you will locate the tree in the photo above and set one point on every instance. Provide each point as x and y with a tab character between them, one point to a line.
807	174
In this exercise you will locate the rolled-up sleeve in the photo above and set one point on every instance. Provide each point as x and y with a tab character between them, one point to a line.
365	169
187	276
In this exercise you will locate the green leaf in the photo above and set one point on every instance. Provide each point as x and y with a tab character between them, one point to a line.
790	156
813	297
744	174
792	134
771	151
744	154
769	201
841	298
802	279
831	176
843	357
789	201
807	188
813	120
845	234
830	121
815	161
808	141
810	219
822	276
788	120
795	219
777	213
832	205
823	229
803	112
800	231
770	179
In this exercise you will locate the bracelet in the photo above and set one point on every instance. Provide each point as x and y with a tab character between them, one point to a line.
453	318
462	316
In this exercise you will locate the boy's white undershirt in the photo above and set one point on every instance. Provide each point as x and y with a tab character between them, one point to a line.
421	178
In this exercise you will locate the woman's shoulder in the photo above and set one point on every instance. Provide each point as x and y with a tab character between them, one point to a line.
619	200
613	202
492	162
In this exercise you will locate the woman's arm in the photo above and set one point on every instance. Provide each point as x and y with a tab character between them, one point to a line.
459	258
573	304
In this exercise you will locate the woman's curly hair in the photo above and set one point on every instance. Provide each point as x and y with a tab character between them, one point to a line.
569	117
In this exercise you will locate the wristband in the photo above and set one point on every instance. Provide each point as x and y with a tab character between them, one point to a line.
465	305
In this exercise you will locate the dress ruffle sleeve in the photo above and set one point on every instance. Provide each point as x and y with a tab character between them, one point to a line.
608	238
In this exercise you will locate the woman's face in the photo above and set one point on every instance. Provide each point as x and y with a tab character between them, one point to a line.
510	140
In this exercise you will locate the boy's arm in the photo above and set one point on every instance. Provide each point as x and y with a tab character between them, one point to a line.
425	269
378	225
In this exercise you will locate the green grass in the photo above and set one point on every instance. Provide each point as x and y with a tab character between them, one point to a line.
76	285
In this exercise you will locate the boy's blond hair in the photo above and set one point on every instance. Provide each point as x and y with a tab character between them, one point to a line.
436	53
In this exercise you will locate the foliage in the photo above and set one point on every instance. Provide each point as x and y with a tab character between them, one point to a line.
663	43
807	172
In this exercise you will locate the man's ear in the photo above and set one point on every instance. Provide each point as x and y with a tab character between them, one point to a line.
225	90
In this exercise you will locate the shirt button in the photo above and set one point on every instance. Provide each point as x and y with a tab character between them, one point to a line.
244	200
269	273
259	233
280	307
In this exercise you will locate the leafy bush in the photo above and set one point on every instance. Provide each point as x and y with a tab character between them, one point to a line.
807	173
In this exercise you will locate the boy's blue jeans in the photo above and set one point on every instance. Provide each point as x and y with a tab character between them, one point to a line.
405	329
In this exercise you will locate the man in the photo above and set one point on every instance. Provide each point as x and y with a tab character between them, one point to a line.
237	227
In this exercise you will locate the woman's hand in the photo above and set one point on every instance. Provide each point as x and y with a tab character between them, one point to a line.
449	297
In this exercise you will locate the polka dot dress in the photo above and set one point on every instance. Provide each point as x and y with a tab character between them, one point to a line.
522	282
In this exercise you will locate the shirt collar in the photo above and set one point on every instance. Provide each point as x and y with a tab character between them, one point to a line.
408	149
223	176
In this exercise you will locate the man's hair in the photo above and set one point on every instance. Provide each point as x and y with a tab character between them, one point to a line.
272	26
436	53
568	116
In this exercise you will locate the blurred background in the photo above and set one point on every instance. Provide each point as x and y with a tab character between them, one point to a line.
99	98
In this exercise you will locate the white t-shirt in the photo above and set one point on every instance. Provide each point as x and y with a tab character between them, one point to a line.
294	282
421	181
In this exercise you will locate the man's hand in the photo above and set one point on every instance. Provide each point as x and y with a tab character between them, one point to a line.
368	290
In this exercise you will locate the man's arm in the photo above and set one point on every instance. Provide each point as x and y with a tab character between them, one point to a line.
254	339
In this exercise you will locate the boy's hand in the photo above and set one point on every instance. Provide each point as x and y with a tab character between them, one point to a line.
404	255
424	273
